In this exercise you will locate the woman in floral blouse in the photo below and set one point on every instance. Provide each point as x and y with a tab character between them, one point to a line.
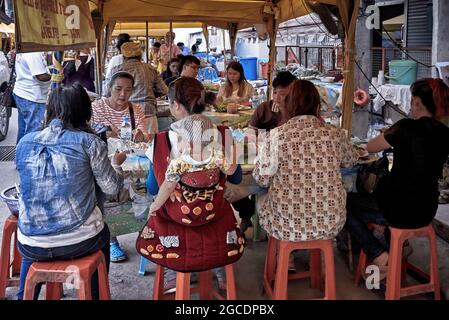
300	163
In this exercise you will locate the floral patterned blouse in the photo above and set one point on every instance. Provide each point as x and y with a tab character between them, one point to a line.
300	163
183	164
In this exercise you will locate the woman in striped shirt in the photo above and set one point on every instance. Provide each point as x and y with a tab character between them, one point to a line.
111	110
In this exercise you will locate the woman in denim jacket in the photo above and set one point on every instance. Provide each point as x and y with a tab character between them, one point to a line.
58	168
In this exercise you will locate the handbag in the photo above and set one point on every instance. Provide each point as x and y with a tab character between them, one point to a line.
370	176
7	99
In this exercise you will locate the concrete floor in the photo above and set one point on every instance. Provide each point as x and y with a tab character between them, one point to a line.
126	284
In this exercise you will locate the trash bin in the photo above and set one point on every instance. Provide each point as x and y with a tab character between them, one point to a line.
443	71
249	67
264	70
403	71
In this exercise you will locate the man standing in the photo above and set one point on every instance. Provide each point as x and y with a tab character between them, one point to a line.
30	91
116	61
148	84
166	55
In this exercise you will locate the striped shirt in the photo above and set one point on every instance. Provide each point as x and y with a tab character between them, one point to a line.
104	114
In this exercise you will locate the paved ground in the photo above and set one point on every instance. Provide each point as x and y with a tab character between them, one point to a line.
126	284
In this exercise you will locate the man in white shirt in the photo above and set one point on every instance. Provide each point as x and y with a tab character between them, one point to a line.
116	61
30	91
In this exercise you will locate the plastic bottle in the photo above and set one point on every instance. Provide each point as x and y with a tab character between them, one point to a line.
126	132
262	96
255	100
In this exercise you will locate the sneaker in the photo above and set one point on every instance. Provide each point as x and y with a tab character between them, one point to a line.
169	281
117	254
221	278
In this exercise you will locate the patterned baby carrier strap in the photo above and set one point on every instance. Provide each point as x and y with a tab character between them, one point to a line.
196	229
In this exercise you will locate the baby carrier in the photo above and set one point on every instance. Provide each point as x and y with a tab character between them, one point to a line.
195	230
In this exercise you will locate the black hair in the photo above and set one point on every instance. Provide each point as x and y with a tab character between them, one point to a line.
194	48
423	89
157	45
283	79
188	60
121	74
169	74
180	44
72	105
121	39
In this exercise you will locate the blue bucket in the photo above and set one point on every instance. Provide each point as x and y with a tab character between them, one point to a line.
249	67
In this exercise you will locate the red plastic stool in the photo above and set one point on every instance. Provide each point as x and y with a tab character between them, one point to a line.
276	267
204	287
9	270
397	266
54	273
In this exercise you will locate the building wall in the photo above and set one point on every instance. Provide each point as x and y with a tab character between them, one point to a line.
440	51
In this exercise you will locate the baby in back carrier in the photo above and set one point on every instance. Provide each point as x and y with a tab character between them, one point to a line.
197	172
192	226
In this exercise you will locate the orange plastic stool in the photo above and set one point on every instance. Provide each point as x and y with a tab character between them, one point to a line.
204	287
276	267
9	270
397	266
54	273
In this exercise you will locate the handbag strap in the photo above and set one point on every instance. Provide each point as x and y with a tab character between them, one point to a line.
12	77
131	116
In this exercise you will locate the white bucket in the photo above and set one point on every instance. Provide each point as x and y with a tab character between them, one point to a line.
443	71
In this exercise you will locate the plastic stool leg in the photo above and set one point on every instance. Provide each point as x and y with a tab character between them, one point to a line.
393	290
361	265
315	268
143	264
330	290
158	284
281	281
231	292
434	276
182	286
53	291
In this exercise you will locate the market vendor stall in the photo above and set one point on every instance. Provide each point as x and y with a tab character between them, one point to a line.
234	15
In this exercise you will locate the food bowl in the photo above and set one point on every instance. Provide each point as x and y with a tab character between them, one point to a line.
11	198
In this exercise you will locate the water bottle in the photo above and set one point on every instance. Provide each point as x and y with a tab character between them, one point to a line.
262	96
255	100
126	132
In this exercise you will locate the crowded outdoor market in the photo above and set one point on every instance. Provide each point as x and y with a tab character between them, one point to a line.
224	149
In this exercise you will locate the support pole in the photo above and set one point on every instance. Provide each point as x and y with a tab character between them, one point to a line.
224	47
147	43
170	41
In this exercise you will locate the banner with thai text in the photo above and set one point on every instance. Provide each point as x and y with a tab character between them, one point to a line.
52	25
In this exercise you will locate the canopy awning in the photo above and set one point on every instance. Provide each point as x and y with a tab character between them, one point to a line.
9	29
155	29
238	14
212	12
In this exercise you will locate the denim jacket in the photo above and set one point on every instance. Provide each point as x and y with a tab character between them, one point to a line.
58	169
